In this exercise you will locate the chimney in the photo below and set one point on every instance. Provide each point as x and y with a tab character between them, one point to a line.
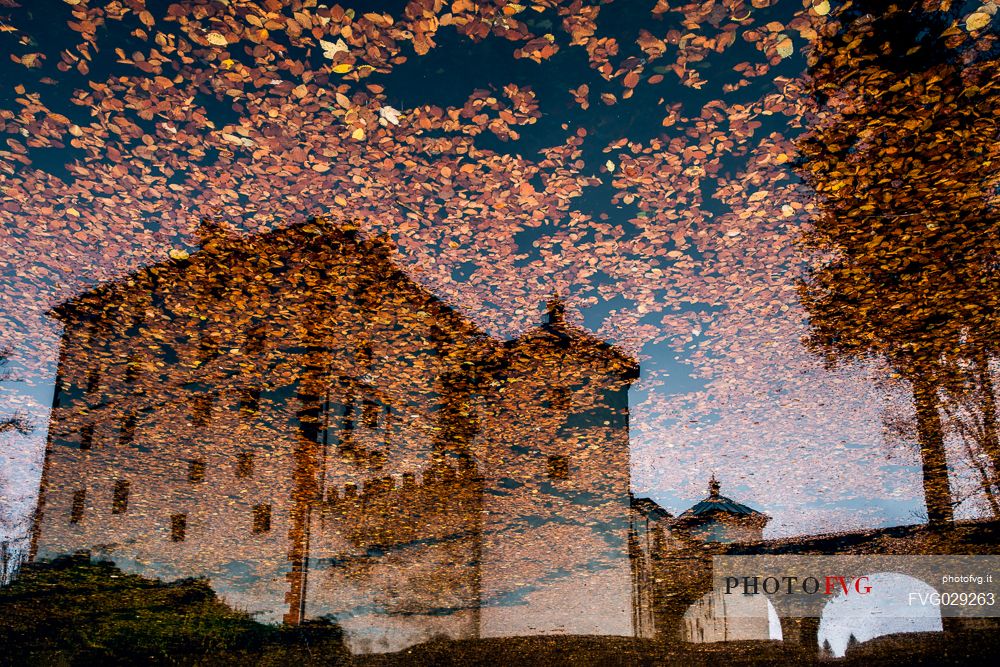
211	234
556	311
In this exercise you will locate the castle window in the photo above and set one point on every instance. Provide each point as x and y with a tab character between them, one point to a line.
178	527
369	413
255	341
169	355
439	338
558	467
93	379
208	347
132	369
196	471
76	510
87	436
201	409
244	465
560	398
364	356
250	401
261	518
126	432
347	421
119	498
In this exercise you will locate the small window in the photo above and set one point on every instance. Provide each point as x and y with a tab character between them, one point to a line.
558	467
196	471
347	419
250	401
369	413
560	398
119	499
76	510
208	348
244	465
255	341
93	380
364	356
132	369
126	433
178	527
168	354
87	436
261	518
201	409
439	338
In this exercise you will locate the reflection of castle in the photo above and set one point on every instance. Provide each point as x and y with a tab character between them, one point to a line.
719	519
293	417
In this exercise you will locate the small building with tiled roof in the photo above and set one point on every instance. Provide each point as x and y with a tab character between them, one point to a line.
720	519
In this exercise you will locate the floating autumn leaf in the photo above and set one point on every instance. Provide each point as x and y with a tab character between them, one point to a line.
381	20
178	254
31	60
217	39
538	49
822	8
331	49
977	21
785	47
388	115
238	140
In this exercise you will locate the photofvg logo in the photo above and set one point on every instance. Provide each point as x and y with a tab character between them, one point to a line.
803	586
788	585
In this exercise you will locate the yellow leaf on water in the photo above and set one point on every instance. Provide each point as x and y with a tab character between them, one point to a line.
358	134
823	8
342	68
218	39
977	21
785	47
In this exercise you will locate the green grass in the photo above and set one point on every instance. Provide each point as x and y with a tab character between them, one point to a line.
72	611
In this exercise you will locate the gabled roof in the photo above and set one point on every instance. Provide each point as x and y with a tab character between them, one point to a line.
217	245
564	334
719	504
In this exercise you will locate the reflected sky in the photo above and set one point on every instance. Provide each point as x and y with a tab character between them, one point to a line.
648	162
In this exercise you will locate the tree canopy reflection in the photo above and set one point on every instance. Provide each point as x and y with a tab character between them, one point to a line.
903	160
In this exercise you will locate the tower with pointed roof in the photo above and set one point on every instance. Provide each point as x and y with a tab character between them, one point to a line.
717	518
555	454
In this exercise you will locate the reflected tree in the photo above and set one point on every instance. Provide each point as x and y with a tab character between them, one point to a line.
18	421
903	156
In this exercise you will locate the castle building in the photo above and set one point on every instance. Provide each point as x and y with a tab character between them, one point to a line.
293	417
